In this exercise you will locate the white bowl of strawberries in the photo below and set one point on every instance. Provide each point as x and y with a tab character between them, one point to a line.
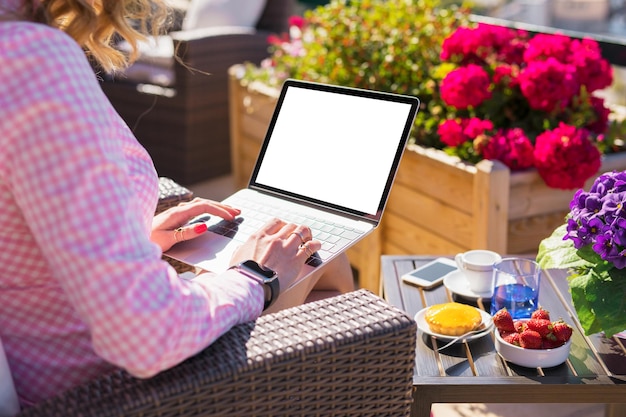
537	342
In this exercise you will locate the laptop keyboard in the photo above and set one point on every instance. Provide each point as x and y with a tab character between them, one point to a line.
334	237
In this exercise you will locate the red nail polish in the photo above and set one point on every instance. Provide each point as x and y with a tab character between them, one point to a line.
200	228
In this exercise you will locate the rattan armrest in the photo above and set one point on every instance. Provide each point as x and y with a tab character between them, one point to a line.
348	355
171	194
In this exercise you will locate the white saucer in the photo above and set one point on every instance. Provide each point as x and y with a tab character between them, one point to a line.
456	282
423	326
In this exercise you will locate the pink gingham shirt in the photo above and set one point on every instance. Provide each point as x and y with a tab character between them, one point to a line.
82	288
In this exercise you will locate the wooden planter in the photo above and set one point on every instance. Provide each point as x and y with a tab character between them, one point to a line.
438	204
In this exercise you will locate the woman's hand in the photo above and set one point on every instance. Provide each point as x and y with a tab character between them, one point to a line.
283	247
168	227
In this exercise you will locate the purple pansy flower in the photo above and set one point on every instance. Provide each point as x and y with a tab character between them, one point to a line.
598	218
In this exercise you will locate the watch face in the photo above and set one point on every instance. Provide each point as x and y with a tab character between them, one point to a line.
270	280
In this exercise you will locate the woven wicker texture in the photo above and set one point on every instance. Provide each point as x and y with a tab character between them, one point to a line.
171	194
348	355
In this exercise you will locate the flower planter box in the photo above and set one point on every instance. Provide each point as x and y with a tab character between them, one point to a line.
438	204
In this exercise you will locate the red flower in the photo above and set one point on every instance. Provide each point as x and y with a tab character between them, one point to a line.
297	21
463	47
465	87
277	40
548	85
477	45
456	132
509	44
593	72
531	89
511	147
565	157
451	133
506	76
542	47
475	127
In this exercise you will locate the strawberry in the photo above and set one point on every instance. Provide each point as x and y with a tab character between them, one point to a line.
503	321
540	313
551	344
541	326
530	339
562	331
520	326
512	338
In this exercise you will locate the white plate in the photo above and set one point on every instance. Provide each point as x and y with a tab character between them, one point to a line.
423	326
456	282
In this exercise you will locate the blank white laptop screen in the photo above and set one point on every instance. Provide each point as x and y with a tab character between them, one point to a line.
334	148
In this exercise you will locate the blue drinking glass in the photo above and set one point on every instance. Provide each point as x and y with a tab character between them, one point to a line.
516	287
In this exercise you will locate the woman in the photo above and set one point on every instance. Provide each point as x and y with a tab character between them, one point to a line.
83	289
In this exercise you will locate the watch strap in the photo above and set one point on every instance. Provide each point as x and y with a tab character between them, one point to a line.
266	276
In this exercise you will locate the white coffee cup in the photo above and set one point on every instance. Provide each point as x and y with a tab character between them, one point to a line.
477	266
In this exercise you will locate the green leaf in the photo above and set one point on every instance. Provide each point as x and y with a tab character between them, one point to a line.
587	253
610	300
600	300
556	253
584	309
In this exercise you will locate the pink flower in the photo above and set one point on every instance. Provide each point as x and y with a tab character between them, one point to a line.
455	132
475	127
277	40
506	76
548	85
453	46
477	45
465	87
565	157
511	147
297	21
451	133
544	46
593	72
530	89
509	44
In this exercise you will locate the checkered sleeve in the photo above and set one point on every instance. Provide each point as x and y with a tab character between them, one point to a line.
86	206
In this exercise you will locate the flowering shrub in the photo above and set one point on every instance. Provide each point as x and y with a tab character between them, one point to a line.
525	101
592	243
387	45
487	92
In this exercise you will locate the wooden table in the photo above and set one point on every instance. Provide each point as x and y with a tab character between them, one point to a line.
473	372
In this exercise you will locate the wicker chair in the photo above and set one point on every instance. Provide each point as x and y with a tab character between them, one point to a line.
185	126
350	355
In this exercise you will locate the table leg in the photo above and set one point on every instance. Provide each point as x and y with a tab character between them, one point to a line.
615	410
421	405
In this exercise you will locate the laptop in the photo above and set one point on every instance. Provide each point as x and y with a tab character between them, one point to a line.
328	161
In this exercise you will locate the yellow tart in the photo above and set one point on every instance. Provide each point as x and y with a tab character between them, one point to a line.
452	319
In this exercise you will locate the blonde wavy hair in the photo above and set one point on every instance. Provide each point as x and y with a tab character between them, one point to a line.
95	24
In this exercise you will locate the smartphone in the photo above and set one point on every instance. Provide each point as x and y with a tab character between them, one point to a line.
431	274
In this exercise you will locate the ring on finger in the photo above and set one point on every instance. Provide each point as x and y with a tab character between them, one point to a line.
182	235
299	235
307	250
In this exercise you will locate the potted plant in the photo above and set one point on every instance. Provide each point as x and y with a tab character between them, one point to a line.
526	101
592	245
445	199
